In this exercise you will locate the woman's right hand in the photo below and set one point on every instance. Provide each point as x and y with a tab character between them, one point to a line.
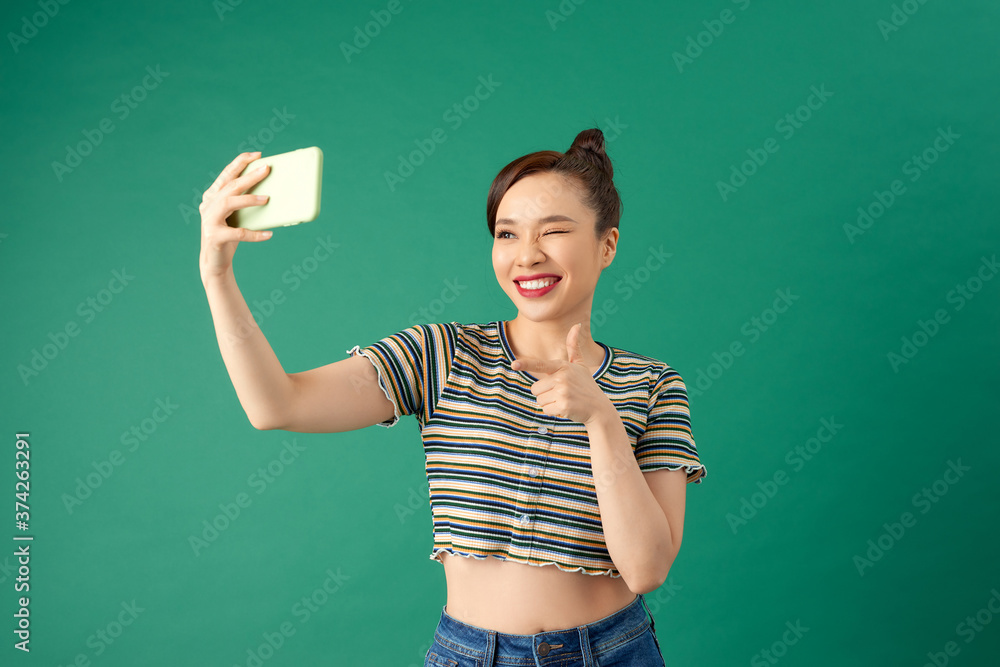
225	195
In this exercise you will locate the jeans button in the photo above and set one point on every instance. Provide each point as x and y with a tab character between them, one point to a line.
543	649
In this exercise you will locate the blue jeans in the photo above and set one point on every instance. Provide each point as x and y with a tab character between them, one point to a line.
625	637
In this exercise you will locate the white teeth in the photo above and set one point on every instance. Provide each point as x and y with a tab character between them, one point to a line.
538	284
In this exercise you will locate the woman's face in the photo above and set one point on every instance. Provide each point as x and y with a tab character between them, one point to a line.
542	228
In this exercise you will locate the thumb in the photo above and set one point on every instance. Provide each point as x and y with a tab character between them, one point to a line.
573	350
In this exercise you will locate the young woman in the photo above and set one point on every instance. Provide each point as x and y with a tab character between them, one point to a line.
557	465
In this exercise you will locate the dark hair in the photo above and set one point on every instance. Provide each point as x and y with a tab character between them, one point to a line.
585	164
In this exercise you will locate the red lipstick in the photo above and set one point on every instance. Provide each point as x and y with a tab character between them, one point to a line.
534	293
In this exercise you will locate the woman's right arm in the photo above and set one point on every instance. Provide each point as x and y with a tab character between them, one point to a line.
341	396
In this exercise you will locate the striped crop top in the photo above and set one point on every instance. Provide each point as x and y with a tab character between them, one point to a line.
504	478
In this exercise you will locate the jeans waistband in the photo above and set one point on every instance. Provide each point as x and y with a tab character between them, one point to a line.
549	646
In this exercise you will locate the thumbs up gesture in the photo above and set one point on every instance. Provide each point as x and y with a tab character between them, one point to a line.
567	388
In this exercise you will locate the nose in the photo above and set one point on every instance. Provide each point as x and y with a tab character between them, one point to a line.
529	251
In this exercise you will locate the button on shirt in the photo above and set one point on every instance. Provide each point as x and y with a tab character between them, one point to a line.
505	479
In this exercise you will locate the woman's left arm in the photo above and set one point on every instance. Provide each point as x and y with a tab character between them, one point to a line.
642	513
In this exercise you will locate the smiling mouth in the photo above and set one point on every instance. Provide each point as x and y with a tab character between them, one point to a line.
537	284
536	289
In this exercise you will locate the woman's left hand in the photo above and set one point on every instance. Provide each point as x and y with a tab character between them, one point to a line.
568	388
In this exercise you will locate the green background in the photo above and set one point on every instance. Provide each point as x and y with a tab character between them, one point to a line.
675	130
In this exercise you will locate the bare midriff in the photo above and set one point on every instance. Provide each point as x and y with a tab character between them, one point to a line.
523	599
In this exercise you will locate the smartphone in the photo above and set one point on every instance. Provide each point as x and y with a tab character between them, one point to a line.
293	185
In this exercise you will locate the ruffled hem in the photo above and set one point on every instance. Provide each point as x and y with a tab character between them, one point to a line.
354	351
687	470
437	550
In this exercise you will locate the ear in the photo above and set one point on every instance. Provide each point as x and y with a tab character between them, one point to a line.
609	246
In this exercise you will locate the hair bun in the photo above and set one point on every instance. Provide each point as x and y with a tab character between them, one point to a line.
589	146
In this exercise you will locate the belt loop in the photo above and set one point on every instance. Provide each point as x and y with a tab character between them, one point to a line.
491	646
588	657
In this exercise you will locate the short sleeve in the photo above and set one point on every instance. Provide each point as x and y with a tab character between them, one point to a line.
399	361
667	442
413	366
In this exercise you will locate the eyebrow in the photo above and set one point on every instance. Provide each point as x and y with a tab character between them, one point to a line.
548	218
